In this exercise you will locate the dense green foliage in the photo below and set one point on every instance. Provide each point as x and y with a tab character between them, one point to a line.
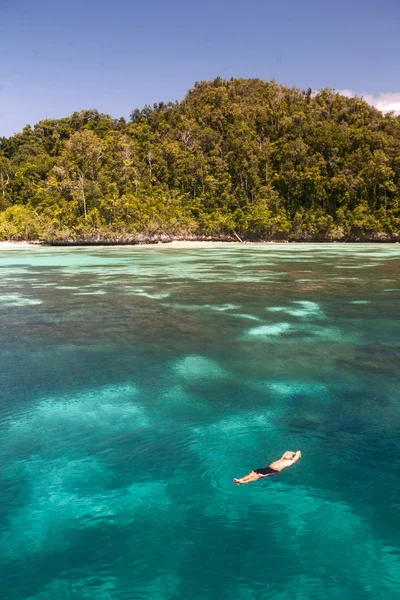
242	157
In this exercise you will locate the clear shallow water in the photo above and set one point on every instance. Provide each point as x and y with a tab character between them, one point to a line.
137	382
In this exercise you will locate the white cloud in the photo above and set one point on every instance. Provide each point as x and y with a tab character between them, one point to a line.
385	101
347	93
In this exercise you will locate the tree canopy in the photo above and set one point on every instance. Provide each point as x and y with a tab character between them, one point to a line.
241	158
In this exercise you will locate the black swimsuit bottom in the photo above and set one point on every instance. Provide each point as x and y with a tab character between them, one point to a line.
266	472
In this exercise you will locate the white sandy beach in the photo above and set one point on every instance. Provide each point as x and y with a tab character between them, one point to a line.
199	243
173	244
14	245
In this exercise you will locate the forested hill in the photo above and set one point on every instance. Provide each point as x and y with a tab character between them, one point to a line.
244	158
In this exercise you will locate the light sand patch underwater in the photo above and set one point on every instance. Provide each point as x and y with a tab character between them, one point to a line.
313	280
146	293
319	529
285	332
294	387
314	520
365	266
265	331
100	411
302	308
345	278
54	510
198	368
94	293
221	308
17	300
246	316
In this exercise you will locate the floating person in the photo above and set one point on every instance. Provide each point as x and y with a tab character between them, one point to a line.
288	459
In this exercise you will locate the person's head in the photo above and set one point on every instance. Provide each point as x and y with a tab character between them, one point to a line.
289	455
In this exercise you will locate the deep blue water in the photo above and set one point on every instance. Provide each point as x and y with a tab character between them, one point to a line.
137	382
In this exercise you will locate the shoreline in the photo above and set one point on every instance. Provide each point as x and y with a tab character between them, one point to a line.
171	244
14	245
179	244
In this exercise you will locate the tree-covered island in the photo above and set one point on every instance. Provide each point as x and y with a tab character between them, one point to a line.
243	159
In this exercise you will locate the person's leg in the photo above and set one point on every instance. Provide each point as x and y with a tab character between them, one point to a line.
253	476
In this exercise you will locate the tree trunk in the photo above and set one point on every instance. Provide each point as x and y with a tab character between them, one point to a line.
4	184
236	236
82	185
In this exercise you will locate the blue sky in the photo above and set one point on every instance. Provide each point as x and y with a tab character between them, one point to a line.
57	57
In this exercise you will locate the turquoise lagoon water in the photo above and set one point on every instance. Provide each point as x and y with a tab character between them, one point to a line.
137	382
